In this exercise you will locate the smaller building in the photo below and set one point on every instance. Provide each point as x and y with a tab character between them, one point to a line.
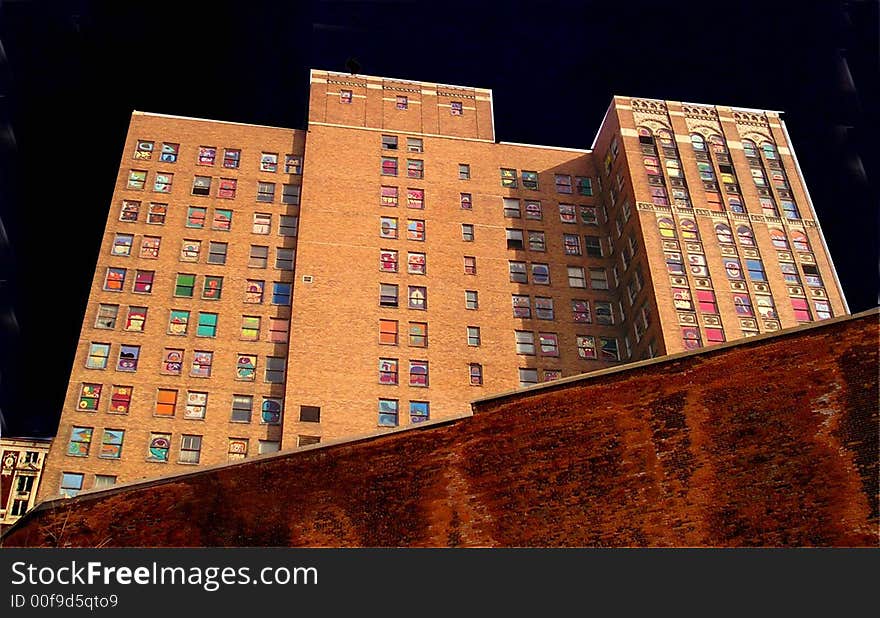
21	467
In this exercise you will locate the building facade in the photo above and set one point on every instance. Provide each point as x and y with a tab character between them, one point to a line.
262	288
21	468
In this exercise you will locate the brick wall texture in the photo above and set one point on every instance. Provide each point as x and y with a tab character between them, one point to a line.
768	442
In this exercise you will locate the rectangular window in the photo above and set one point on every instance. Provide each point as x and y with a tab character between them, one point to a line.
387	227
471	299
201	185
135	319
213	288
537	241
158	447
533	210
388	412
388	196
580	311
196	405
416	263
128	357
80	441
402	102
455	108
418	373
604	313
217	252
169	153
540	274
195	217
143	281
511	208
253	291
549	343
293	164
584	185
258	257
525	342
231	158
811	275
389	142
284	258
345	96
106	317
544	308
415	230
281	293
530	180
162	182
310	414
166	402
571	244
388	260
190	449
567	213
518	273
279	330
465	201
593	246
246	367
387	295
418	334
270	414
389	166
250	328
137	179
288	225
275	368
598	279
201	364
418	411
207	155
467	232
143	150
172	362
122	245
150	247
743	305
130	211
388	332
266	192
528	377
388	371
588	215
563	183
418	297
586	347
464	171
514	239
178	322
801	310
71	484
470	265
114	279
290	194
415	198
415	144
227	188
207	325
237	449
508	178
522	307
608	349
476	374
706	301
756	270
120	399
262	223
576	277
269	162
222	220
473	336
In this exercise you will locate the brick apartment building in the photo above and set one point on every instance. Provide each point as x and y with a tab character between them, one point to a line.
262	288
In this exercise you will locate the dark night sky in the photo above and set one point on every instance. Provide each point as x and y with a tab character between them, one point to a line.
74	71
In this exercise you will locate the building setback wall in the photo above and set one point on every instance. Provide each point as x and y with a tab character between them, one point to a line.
725	447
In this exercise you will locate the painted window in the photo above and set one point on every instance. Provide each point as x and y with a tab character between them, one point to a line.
418	373
270	411
159	445
201	364
246	367
388	412
178	321
89	397
128	358
166	402
388	196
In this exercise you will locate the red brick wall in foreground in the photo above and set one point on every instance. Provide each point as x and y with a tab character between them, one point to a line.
766	443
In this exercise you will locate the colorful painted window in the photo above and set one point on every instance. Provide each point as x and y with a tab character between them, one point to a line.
733	269
178	320
162	182
744	233
262	223
811	275
777	237
571	244
756	270
402	102
563	183
143	150
418	334
345	96
750	149
111	444
698	142
293	164
213	288
790	272
172	362
801	309
652	165
246	367
769	150
201	364
544	308
790	209
608	349
250	328
98	354
724	234
697	265
387	227
388	260
120	399
681	299
388	371
207	155
389	166
659	196
128	358
415	198
160	444
667	227
706	301
540	274
269	162
195	217
580	311
137	179
156	213
823	309
143	281
714	335
455	108
388	196
508	178
196	405
418	297
242	407
525	342
415	229
388	412
758	177
150	247
89	397
281	293
586	347
418	373
270	412
743	304
388	332
533	210
766	308
799	241
237	449
530	180
122	245
201	185
416	263
736	204
130	210
207	325
476	374
584	185
135	319
567	213
465	201
690	337
231	158
114	279
549	343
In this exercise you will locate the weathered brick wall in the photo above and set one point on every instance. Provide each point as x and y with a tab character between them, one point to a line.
771	442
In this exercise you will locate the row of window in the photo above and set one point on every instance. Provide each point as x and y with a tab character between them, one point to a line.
208	155
515	208
197	217
389	409
185	285
227	188
191	249
577	275
562	182
547	344
172	362
178	323
571	243
456	108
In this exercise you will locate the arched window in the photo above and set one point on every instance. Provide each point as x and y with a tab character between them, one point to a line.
667	227
689	229
698	142
799	241
645	136
769	150
724	234
750	149
665	137
744	233
777	237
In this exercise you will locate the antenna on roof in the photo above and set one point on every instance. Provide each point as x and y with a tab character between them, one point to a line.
353	65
